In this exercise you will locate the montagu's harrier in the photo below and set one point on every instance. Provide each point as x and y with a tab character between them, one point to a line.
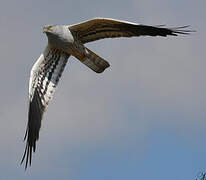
64	41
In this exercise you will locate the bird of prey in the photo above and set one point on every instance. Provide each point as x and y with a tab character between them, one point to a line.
67	40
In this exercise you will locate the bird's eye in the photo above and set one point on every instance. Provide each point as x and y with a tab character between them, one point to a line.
50	27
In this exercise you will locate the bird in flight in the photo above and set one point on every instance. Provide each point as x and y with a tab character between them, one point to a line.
67	40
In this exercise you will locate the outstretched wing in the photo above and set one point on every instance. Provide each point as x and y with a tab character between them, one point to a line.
44	77
100	28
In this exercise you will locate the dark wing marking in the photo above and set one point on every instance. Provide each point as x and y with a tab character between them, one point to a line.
100	28
44	78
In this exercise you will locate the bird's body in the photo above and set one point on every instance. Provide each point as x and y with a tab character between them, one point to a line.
64	41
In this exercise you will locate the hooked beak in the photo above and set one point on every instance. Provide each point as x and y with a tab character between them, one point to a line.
45	29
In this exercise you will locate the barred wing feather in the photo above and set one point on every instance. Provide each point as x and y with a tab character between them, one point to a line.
100	28
44	78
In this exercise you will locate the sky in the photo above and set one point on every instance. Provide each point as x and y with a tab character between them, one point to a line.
143	118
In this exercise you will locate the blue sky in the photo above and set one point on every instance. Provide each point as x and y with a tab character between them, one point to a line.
143	118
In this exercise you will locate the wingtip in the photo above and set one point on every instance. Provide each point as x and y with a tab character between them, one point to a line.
23	158
25	133
182	30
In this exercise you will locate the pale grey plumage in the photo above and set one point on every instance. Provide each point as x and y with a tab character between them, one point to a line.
64	41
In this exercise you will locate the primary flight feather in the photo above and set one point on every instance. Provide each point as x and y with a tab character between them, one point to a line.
64	41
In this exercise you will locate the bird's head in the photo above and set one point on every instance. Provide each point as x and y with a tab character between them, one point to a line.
53	29
58	34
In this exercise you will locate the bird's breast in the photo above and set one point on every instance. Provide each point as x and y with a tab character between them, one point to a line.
63	41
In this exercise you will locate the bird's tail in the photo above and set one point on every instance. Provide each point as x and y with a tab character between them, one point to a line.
93	61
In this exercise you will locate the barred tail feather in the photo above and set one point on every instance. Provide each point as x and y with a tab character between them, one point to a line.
94	62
